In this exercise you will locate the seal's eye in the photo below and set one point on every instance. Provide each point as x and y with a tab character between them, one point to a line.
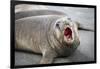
69	19
57	25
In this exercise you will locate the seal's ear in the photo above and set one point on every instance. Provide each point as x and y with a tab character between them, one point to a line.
83	27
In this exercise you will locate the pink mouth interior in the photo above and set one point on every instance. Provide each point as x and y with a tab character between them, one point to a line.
68	33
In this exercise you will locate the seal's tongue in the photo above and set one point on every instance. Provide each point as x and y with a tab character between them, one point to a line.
68	33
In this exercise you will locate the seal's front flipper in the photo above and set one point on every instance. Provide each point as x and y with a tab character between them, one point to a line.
48	57
84	27
46	60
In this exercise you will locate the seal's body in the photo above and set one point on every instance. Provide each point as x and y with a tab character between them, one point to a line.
51	35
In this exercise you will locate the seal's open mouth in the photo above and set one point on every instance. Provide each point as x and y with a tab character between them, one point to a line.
68	33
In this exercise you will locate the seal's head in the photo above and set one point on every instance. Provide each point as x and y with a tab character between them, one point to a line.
66	31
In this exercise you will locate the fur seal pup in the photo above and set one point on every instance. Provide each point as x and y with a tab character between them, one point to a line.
50	35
